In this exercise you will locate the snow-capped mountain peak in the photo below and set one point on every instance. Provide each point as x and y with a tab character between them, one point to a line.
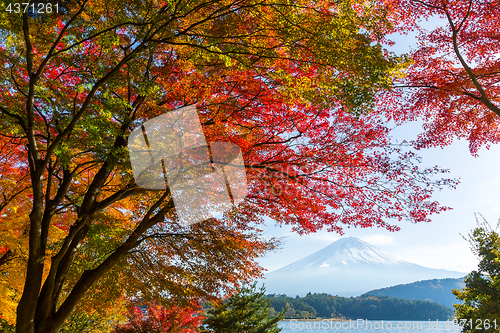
348	267
346	251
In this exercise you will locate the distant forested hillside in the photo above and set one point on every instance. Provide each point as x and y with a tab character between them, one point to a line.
366	307
437	290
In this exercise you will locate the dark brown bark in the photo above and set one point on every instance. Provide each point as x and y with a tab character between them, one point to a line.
6	257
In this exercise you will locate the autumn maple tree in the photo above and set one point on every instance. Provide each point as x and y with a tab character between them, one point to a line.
452	84
160	319
292	83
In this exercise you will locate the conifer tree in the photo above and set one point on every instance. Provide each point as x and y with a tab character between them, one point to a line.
246	311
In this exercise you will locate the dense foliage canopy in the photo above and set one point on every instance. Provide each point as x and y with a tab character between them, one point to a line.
480	309
160	319
246	311
366	307
452	83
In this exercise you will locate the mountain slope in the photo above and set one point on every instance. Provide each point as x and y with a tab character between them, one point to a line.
436	290
347	267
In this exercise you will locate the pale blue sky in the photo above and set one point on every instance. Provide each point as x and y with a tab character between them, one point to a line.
437	244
